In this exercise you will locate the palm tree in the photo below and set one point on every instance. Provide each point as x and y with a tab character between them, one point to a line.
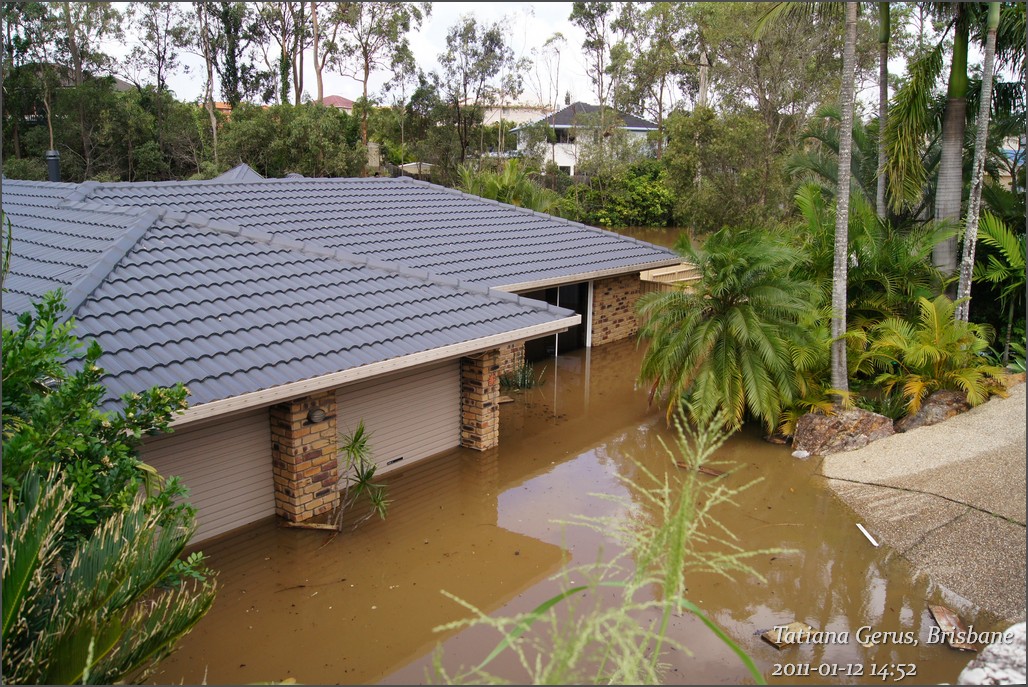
950	186
727	344
912	115
935	352
840	375
978	171
884	33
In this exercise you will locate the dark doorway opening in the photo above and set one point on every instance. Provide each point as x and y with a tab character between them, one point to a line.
573	297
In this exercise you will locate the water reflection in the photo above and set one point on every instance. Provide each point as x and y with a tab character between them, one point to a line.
360	607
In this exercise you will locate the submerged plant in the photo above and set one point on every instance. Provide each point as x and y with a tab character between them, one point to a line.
356	478
521	377
727	344
671	534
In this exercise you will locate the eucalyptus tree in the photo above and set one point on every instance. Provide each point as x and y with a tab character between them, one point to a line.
83	28
286	24
162	31
373	35
657	31
475	55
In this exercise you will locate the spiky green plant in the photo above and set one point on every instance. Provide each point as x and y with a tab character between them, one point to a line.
936	352
889	269
670	536
725	344
1004	267
357	477
96	617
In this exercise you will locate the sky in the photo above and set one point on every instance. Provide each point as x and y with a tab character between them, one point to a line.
530	25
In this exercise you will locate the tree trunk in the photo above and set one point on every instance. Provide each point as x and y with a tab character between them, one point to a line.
950	187
840	374
318	64
884	33
978	169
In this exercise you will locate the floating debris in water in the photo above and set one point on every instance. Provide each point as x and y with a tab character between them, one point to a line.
952	627
781	636
868	535
801	454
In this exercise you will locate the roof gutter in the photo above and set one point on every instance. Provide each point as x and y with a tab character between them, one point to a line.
255	399
587	276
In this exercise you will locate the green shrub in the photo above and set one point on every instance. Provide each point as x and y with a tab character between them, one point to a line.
521	377
935	352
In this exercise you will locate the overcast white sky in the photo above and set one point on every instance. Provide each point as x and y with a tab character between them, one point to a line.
530	25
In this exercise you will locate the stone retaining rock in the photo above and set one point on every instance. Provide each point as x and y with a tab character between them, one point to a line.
941	405
845	431
1000	663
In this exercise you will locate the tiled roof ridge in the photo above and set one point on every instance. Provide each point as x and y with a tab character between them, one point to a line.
77	294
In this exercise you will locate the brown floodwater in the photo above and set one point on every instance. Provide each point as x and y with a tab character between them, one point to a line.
360	607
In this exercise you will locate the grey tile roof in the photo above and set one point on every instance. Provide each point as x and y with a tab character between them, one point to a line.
402	221
172	297
241	172
571	116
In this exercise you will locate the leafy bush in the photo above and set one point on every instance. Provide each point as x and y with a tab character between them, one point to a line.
51	418
936	352
30	169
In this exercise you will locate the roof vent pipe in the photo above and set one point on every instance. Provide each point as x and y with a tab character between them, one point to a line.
53	165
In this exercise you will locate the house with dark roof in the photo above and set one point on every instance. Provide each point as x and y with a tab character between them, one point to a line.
295	308
574	124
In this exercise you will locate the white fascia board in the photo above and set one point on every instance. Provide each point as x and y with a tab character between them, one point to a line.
305	387
586	276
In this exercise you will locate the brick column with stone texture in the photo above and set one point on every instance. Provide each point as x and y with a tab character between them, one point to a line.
614	317
304	457
479	400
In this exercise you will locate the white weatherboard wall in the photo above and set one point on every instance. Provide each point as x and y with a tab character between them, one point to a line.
410	415
227	467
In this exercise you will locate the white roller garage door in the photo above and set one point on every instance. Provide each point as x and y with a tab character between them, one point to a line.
409	416
227	467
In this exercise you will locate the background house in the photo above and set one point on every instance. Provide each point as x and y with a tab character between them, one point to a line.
574	122
295	308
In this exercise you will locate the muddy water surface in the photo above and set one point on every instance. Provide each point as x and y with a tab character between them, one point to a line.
360	607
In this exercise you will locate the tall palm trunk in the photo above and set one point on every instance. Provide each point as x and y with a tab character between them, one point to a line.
950	186
840	375
884	32
978	170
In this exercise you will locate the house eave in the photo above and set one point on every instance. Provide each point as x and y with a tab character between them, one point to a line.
283	392
587	276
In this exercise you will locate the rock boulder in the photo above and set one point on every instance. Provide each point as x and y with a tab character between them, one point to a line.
845	431
941	405
1000	663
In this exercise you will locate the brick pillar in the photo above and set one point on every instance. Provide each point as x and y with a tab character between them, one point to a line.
303	457
614	316
479	396
512	357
